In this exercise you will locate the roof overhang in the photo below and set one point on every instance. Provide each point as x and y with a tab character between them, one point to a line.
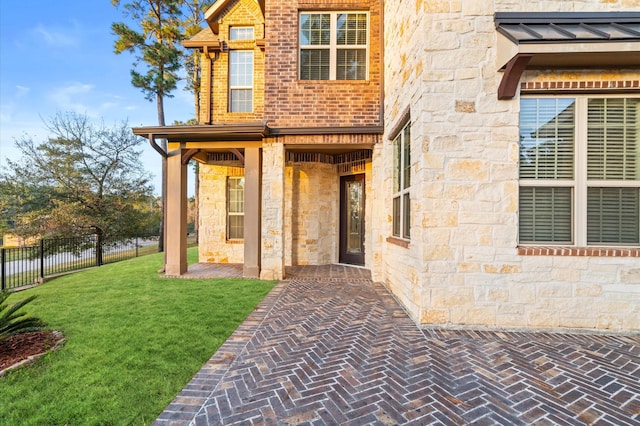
243	132
563	41
211	14
200	133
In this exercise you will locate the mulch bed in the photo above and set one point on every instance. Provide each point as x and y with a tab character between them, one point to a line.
23	348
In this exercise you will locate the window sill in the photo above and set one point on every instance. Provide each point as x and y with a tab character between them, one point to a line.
398	242
235	241
579	251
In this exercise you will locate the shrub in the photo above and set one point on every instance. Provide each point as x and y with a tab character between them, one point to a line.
13	322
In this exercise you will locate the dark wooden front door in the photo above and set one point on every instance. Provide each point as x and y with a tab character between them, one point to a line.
352	219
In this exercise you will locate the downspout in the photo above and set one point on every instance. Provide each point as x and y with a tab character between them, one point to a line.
154	145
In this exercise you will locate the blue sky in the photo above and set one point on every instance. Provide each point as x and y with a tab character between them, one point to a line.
57	56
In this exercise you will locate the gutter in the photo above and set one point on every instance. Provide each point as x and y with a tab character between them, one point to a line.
154	145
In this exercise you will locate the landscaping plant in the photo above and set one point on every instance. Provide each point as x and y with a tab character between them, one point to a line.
13	322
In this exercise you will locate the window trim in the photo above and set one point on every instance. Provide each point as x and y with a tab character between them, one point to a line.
580	183
333	47
399	133
232	88
242	27
228	210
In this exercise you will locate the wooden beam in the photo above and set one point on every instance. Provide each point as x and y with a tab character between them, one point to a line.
511	77
187	156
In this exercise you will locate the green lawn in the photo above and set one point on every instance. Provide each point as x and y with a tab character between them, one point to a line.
133	341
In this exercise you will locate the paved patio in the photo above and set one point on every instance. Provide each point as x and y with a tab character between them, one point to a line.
328	346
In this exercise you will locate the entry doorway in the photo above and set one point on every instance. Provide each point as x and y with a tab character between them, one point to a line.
352	198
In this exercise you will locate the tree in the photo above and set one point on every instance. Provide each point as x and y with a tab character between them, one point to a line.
84	179
157	45
192	25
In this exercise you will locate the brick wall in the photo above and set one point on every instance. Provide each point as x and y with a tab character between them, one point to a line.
241	13
290	102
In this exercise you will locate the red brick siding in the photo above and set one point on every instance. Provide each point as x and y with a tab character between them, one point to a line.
293	103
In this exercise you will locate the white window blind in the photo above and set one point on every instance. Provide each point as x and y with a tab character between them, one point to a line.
579	171
333	45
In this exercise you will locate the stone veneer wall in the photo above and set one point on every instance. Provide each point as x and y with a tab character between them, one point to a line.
213	245
462	266
312	196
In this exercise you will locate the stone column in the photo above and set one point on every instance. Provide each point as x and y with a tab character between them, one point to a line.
176	213
272	264
252	212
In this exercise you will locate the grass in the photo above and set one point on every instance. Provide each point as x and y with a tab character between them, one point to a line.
133	341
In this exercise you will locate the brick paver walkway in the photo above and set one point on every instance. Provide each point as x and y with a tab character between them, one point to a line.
329	352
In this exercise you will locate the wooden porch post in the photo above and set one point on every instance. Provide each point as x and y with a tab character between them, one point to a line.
176	213
252	212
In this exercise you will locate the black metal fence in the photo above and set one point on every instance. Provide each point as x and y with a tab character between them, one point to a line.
27	266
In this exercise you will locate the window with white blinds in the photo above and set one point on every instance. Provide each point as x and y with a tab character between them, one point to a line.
235	208
402	183
241	81
580	171
333	45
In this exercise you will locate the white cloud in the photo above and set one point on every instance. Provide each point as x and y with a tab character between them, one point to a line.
71	97
22	91
55	38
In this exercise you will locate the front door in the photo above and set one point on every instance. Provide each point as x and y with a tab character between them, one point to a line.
352	219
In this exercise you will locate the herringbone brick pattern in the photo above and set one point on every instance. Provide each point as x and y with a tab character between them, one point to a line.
344	352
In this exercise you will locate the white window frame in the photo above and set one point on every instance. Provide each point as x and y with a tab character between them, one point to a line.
233	88
241	33
333	45
402	165
229	212
579	184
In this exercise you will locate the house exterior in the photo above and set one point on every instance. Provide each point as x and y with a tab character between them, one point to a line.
480	157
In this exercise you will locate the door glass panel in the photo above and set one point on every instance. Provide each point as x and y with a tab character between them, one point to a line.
354	217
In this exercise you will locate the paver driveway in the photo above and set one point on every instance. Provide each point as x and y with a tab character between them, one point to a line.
342	351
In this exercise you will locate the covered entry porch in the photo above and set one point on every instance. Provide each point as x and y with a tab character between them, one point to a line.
291	189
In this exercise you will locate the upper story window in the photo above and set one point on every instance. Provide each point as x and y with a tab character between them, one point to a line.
334	45
241	81
402	183
580	170
241	33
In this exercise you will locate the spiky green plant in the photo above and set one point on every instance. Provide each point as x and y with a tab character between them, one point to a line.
13	322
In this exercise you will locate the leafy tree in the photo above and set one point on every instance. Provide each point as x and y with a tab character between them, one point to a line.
193	25
13	322
84	179
156	43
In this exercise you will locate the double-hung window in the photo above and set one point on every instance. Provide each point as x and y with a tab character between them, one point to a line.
402	183
241	81
580	171
235	208
334	45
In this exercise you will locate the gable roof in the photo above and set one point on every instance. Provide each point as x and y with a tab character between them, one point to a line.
211	14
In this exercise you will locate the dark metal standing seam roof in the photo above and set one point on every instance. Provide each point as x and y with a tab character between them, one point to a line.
568	27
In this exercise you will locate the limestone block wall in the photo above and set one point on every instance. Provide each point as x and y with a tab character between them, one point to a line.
311	213
273	179
213	244
463	266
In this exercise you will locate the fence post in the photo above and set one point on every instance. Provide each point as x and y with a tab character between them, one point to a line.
99	244
42	258
3	282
